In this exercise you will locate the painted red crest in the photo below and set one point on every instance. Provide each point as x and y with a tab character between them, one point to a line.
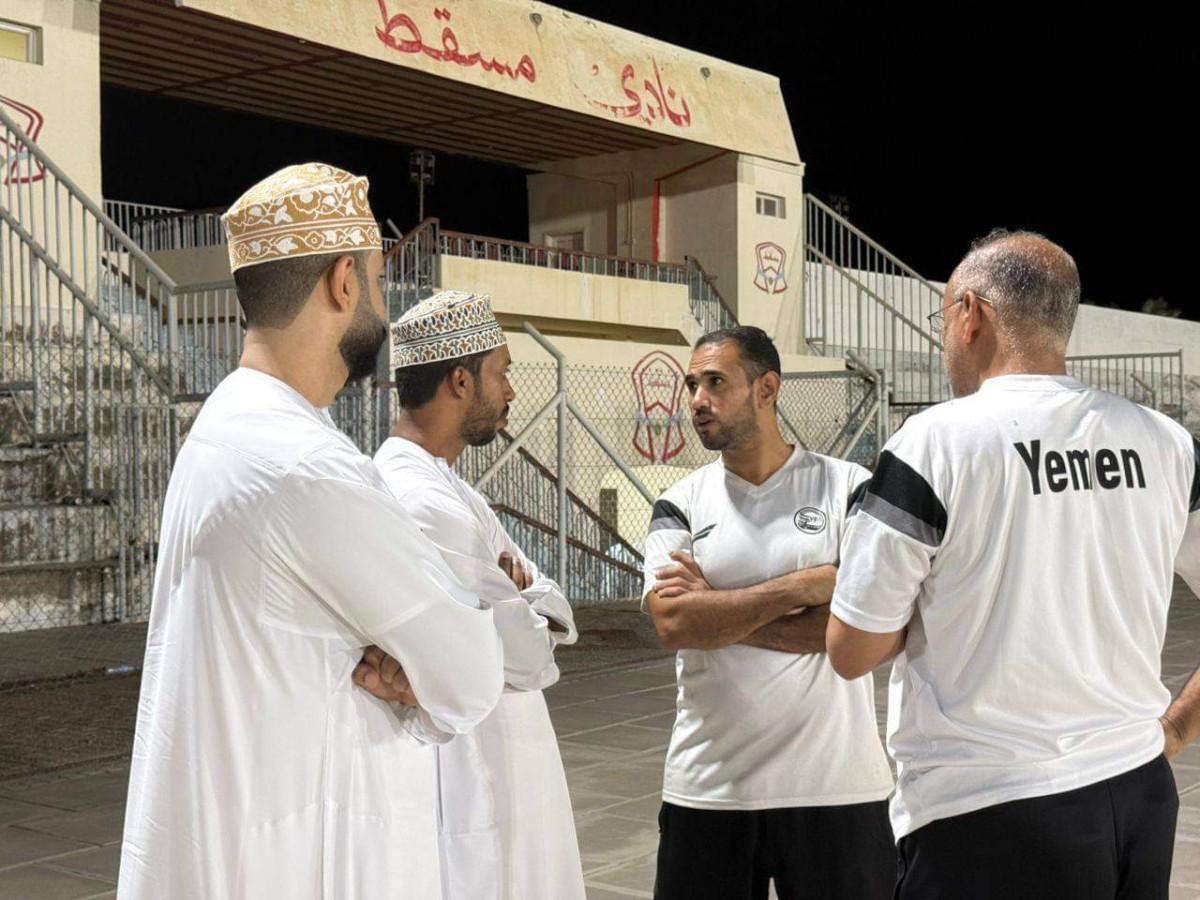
658	382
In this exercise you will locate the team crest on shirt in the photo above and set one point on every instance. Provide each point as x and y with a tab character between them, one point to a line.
811	520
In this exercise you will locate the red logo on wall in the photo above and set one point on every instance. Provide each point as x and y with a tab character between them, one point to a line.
658	381
771	274
19	168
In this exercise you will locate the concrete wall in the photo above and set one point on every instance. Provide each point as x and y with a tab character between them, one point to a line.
570	303
60	98
1102	330
770	252
705	209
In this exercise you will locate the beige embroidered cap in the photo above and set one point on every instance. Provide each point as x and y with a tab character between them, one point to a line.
302	210
448	325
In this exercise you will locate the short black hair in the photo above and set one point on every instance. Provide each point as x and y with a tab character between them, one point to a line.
273	293
755	349
416	385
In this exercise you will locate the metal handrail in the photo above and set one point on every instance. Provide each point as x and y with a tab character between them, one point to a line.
113	231
871	242
80	295
711	282
887	307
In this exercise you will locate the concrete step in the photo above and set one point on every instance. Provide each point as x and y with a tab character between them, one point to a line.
29	475
34	598
58	536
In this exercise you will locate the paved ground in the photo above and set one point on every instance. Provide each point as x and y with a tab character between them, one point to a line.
60	832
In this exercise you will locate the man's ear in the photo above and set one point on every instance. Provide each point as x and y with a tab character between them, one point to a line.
971	316
768	388
342	283
460	381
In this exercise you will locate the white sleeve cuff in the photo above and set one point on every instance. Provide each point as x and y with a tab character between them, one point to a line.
865	621
418	723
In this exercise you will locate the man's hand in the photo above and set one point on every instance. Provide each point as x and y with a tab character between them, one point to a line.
516	573
683	578
1173	741
381	676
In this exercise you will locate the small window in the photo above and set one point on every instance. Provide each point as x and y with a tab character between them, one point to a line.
20	42
769	205
570	241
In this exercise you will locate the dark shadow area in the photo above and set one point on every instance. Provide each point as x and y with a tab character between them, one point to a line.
173	153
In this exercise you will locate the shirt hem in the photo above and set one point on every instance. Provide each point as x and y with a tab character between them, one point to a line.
1030	792
780	803
866	621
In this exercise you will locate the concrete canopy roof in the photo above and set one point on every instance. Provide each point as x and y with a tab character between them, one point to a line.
511	81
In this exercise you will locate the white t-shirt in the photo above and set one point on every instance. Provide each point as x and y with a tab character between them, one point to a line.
1026	535
755	728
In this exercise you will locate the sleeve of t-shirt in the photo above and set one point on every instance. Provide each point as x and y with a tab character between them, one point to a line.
857	478
670	531
1187	558
358	553
896	528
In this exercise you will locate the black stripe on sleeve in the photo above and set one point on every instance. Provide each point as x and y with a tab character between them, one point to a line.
1195	502
902	499
667	515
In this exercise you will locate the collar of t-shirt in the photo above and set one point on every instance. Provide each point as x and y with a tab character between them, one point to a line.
746	487
1030	383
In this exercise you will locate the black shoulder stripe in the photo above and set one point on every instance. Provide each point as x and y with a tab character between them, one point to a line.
1195	502
856	497
667	515
901	498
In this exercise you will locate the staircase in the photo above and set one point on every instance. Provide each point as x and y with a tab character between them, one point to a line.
861	299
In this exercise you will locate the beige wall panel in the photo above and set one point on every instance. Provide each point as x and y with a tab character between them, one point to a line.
543	54
770	253
607	303
58	101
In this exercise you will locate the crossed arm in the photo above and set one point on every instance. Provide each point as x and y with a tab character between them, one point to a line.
786	613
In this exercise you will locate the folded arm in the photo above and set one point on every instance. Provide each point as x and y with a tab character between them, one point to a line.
467	548
362	558
800	631
689	614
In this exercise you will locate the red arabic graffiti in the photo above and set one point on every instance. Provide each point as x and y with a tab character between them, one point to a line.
658	381
19	166
653	110
401	33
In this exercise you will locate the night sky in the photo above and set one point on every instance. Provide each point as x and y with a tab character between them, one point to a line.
929	126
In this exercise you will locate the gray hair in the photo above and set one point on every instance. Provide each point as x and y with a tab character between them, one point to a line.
1032	282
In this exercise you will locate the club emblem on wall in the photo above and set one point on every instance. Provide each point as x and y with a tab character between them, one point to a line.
658	382
771	274
18	167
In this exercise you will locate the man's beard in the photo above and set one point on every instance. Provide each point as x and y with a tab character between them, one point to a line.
482	423
360	344
735	434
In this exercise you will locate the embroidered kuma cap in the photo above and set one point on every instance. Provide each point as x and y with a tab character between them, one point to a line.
448	325
302	210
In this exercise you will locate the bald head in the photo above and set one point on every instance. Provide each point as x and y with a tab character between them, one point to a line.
1032	282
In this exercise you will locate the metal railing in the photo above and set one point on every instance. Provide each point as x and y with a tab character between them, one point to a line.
708	306
125	213
705	300
861	298
1151	379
